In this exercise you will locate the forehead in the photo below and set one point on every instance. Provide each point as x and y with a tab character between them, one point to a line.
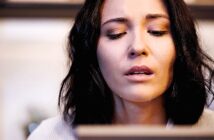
131	8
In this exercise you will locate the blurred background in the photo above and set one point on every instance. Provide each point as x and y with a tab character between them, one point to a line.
33	39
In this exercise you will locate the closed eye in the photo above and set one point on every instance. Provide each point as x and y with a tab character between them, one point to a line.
114	36
157	33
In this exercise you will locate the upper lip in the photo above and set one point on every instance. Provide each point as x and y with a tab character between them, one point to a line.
139	70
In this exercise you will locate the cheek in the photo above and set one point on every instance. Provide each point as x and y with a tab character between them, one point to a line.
164	51
108	65
110	53
110	56
106	58
165	57
169	54
103	62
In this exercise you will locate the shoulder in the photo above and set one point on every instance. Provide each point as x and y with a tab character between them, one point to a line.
206	119
53	129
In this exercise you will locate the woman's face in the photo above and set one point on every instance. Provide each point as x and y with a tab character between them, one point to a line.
135	51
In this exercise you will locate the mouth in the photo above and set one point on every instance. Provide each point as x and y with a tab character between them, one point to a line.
139	70
139	73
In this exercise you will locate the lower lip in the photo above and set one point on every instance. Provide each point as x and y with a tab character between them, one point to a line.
139	77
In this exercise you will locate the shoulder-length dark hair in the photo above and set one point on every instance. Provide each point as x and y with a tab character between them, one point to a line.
86	98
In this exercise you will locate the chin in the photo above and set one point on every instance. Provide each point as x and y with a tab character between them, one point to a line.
142	96
143	93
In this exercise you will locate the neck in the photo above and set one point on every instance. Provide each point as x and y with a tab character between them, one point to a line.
151	112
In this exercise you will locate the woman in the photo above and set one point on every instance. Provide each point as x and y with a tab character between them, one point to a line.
133	62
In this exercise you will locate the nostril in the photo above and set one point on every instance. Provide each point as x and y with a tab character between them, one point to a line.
143	53
132	53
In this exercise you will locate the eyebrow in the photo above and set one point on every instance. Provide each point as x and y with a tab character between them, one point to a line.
155	16
118	20
124	20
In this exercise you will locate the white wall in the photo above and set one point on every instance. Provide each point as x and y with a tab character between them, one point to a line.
206	33
32	66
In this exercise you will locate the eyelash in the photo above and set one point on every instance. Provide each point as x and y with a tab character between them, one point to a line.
115	36
152	32
157	33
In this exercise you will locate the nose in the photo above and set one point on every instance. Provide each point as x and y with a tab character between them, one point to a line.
138	44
